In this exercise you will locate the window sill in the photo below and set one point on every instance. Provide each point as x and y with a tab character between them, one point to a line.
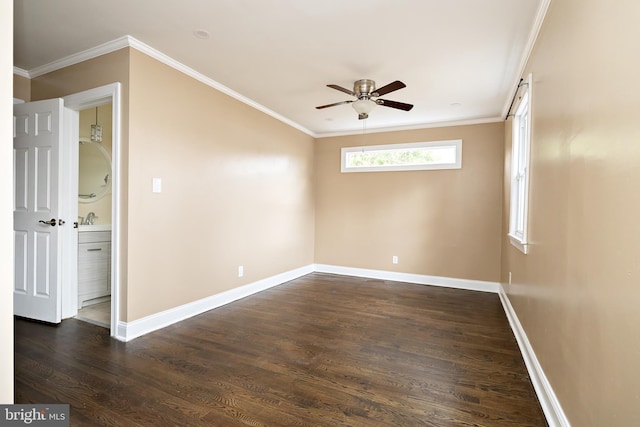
522	246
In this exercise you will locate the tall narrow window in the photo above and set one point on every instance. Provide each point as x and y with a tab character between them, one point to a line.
520	169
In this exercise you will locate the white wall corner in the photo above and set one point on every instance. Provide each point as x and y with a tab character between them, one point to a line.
126	331
547	397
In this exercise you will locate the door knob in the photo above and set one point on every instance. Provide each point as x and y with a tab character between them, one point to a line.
52	222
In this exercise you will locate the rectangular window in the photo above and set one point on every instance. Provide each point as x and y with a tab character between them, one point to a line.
403	157
521	137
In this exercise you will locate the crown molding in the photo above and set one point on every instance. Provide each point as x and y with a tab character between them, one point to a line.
167	60
414	127
85	55
128	41
22	73
131	42
533	37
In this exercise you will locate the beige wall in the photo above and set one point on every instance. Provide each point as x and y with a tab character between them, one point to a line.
442	222
96	72
6	204
21	88
237	185
577	291
100	71
237	189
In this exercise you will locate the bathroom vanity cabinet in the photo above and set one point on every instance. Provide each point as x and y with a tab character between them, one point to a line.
94	265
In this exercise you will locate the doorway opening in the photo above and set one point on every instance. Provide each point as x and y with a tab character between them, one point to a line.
94	214
94	296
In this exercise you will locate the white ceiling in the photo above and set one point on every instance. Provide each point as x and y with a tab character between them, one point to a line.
460	59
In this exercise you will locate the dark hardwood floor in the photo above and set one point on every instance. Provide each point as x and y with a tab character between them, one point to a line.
322	350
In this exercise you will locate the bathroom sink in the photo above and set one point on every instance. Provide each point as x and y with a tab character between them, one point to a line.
95	227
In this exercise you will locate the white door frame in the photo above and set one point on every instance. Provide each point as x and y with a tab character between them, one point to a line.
81	101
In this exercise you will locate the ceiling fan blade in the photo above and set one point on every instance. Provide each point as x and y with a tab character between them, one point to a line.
334	104
394	104
341	89
389	88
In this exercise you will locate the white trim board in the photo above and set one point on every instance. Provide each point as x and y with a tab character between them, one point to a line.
421	279
79	57
131	42
20	72
550	404
126	331
130	330
543	7
87	99
464	122
128	41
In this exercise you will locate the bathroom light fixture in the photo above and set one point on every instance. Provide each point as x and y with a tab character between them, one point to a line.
96	130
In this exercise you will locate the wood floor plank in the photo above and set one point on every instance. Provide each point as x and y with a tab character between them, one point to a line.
322	350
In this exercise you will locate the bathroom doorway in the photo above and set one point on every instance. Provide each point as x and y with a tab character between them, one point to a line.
107	239
95	203
58	264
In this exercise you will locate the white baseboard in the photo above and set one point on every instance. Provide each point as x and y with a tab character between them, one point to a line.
130	330
127	331
548	400
422	279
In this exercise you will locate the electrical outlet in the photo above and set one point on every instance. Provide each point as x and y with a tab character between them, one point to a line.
240	270
394	259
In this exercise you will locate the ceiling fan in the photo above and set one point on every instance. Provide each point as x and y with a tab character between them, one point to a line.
365	91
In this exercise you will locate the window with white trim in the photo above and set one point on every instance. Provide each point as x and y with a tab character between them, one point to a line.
521	143
403	157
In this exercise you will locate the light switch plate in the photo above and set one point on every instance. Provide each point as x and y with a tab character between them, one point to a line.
157	185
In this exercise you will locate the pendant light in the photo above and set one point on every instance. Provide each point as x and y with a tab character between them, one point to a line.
96	130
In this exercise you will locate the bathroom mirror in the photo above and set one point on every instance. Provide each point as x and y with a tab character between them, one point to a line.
94	179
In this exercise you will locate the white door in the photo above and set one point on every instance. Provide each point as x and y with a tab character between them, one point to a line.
37	142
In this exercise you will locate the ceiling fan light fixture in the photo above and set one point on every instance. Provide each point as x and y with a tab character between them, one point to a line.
363	106
364	90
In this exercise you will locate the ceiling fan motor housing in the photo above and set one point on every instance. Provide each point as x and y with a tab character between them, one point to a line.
364	88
